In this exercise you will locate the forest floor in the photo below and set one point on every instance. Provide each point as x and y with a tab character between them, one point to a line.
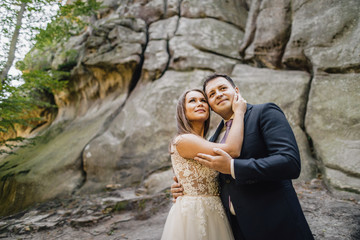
128	214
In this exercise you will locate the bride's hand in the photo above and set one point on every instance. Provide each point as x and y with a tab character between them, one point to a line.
239	104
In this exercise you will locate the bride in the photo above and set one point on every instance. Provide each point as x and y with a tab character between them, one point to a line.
199	213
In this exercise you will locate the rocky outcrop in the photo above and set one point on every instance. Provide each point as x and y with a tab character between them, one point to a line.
233	12
116	117
97	90
205	44
136	143
324	36
332	121
267	35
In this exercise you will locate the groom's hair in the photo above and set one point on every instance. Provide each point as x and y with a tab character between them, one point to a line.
216	75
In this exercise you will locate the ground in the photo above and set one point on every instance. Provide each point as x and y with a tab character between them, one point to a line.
128	214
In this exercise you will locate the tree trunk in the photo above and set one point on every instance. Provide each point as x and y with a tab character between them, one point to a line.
14	40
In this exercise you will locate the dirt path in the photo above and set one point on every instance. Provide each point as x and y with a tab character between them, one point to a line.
125	214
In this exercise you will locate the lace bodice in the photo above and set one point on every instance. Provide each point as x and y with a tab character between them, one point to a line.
195	178
199	210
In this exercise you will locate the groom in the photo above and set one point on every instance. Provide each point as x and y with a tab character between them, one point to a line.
256	187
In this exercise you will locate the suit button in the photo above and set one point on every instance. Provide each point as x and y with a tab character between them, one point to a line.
227	181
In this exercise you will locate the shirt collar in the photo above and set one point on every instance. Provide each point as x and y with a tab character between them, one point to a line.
225	121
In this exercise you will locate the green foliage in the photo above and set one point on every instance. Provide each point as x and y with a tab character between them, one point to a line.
66	23
17	104
72	57
35	15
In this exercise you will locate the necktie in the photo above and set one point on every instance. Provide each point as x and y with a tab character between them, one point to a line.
228	126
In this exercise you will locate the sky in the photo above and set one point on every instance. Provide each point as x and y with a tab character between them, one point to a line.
25	43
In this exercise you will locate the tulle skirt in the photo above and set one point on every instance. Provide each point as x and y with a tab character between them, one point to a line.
197	218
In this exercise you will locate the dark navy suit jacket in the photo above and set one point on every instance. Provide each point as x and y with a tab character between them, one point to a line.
263	196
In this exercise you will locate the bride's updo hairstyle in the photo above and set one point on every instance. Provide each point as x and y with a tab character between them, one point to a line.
183	124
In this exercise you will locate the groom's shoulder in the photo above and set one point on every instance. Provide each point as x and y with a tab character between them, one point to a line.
266	106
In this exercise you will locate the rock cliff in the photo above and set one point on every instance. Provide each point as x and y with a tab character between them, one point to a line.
117	116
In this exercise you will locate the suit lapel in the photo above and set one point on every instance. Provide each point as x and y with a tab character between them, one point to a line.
217	132
221	124
248	111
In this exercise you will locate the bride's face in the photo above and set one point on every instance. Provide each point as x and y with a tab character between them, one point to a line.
196	107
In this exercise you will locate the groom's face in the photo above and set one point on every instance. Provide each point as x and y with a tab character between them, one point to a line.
220	94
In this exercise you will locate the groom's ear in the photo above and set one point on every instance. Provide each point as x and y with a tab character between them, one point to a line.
237	90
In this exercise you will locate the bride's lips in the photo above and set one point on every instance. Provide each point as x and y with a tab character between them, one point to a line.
200	110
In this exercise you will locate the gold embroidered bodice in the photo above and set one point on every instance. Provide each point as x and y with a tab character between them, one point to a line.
195	178
201	190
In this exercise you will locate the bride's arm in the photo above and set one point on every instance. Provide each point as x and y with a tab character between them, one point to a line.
189	145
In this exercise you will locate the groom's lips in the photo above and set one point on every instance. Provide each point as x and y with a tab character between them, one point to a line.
221	101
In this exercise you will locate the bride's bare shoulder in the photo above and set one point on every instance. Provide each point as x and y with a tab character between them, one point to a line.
185	138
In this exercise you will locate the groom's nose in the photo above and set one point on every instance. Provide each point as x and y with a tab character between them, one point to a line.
218	94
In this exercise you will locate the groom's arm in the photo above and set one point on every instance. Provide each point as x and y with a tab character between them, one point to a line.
283	160
176	189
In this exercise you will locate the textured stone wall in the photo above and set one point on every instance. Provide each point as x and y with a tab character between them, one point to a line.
116	118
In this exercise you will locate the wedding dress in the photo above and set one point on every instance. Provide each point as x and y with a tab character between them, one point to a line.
198	214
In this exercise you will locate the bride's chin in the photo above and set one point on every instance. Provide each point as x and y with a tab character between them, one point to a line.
202	120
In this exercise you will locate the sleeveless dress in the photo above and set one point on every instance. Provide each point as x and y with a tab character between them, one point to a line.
198	214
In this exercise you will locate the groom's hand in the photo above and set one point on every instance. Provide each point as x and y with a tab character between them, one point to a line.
176	189
220	162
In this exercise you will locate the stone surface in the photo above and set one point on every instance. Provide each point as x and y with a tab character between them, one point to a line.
326	48
116	117
159	181
114	42
342	180
211	35
328	217
163	29
156	59
68	56
185	57
309	163
149	11
96	212
96	91
204	44
110	57
270	33
231	11
47	170
332	121
136	142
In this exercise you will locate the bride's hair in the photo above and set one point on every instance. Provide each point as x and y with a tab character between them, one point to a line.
183	124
